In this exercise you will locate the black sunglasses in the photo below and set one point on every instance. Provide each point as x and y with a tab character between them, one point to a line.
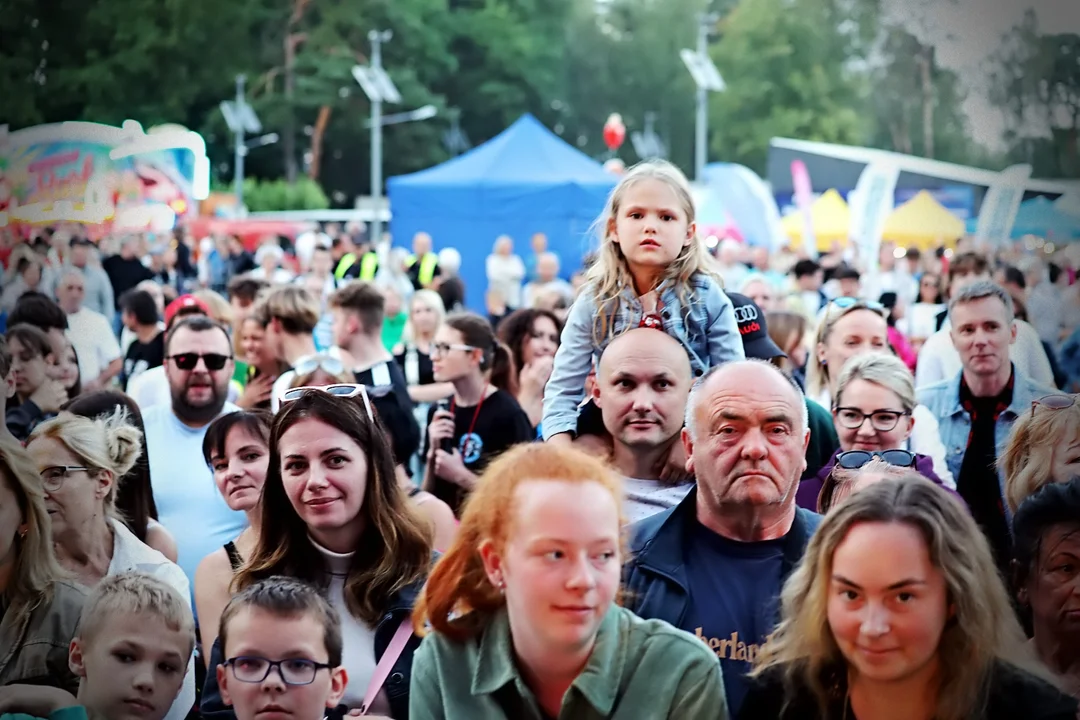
855	459
188	361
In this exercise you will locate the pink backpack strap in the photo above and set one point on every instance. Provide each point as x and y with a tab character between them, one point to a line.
382	670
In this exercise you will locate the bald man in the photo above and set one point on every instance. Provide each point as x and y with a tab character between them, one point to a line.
642	384
714	564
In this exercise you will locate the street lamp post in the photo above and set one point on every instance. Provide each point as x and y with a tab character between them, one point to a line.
707	79
240	118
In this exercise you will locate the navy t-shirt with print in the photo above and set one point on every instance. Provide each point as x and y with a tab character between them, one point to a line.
733	599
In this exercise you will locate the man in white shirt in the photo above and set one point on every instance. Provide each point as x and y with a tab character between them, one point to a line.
939	359
642	385
547	281
198	365
91	334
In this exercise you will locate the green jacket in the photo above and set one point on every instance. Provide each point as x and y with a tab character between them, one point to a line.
35	651
638	669
75	712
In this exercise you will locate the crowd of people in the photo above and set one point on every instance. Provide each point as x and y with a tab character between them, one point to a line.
686	480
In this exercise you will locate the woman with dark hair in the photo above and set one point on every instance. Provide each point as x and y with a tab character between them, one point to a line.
38	396
68	371
341	522
135	496
237	449
532	334
482	418
1047	576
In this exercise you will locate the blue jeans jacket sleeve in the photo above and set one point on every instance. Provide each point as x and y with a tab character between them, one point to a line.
573	361
725	343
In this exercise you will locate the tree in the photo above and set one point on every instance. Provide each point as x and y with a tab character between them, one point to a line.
1036	85
786	65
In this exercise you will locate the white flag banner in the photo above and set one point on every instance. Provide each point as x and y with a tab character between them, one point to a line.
1000	205
871	202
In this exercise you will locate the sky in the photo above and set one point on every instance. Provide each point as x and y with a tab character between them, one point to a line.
966	33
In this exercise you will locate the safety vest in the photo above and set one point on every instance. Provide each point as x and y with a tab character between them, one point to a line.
346	262
427	267
369	265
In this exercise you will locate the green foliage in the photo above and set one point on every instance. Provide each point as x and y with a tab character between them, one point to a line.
271	195
786	68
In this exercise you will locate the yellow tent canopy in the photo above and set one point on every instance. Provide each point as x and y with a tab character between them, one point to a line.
830	218
923	222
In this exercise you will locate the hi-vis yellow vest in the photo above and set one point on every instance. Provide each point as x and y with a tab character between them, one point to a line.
427	267
369	264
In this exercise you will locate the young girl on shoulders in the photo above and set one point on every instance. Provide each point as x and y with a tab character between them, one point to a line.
652	270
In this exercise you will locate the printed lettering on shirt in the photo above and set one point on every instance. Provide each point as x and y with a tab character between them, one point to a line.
729	649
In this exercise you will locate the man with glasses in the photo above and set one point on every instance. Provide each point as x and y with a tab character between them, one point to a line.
198	365
977	407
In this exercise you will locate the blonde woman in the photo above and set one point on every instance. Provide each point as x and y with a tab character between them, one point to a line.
897	611
851	327
1043	447
788	330
80	461
41	604
873	413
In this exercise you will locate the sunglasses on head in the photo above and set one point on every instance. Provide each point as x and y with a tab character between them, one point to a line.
850	303
311	363
341	390
188	361
855	459
1058	401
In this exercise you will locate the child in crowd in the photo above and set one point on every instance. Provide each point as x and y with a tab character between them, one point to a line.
282	644
136	635
652	270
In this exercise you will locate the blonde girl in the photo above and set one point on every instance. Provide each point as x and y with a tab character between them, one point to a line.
652	270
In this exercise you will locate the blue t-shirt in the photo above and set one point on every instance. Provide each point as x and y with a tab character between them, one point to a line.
734	594
188	502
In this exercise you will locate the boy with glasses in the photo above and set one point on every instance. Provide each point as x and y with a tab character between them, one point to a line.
283	647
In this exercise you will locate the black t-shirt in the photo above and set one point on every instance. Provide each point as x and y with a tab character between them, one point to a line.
124	274
393	407
143	356
425	373
496	424
733	596
977	482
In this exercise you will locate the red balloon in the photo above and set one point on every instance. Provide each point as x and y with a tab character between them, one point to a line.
614	132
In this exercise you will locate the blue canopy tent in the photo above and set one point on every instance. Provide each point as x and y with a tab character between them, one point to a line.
523	181
1039	216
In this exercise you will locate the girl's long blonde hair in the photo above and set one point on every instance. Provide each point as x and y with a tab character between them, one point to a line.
36	569
1028	459
609	275
982	632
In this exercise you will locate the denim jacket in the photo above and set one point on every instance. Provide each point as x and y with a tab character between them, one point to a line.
954	423
706	327
35	651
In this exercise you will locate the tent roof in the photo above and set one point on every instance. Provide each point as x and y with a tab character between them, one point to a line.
525	154
830	217
922	220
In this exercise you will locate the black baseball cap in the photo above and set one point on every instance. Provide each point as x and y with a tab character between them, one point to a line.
752	329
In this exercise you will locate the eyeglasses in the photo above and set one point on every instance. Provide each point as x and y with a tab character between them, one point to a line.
1054	402
188	361
881	420
293	671
443	348
341	390
855	459
53	477
311	363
